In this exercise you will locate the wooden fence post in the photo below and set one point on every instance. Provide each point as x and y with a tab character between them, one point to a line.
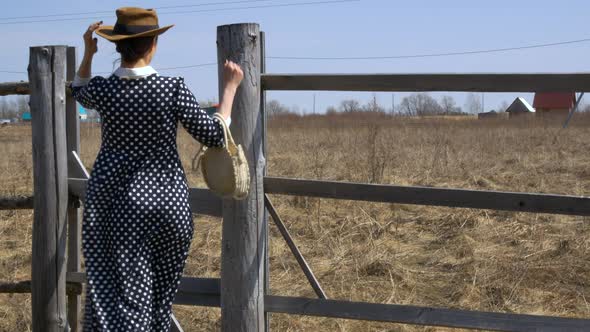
47	73
243	241
74	212
265	152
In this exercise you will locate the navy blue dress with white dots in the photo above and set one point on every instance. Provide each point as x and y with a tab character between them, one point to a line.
137	223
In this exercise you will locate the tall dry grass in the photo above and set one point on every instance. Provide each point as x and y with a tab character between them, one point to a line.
386	253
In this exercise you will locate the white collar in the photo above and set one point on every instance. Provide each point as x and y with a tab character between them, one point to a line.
136	72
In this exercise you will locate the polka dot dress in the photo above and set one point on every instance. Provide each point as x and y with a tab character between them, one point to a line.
137	223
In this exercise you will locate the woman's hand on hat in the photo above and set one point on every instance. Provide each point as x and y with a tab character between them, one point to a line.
91	44
232	74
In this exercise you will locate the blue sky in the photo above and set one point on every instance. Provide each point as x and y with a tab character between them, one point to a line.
361	28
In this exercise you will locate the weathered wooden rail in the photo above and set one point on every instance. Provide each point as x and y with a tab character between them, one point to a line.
242	292
459	198
16	203
542	82
14	88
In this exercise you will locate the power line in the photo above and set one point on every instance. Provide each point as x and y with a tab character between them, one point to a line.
193	11
158	8
507	49
12	72
295	4
432	55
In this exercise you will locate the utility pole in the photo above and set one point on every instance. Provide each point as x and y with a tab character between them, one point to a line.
393	104
314	103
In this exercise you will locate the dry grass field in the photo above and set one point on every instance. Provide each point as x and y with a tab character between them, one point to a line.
386	253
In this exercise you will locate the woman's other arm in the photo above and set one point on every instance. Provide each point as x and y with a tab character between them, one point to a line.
206	129
232	77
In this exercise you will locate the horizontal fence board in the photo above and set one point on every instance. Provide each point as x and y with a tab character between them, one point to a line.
422	315
14	88
463	198
16	203
567	82
202	201
205	292
24	287
21	88
210	286
78	277
21	287
199	300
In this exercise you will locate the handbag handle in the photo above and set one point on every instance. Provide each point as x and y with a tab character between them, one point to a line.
226	133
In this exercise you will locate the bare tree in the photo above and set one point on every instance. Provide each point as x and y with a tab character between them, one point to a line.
448	105
274	107
4	108
373	106
473	103
23	105
420	104
350	105
12	108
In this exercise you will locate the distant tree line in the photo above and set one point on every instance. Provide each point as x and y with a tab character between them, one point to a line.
13	108
417	104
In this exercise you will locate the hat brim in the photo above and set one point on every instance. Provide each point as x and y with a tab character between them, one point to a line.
106	32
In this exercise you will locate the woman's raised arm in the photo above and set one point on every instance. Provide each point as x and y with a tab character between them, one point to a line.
90	48
205	129
232	77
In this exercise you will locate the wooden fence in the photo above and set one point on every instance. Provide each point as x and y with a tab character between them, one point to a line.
242	291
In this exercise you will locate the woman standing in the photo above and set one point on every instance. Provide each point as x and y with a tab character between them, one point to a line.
137	224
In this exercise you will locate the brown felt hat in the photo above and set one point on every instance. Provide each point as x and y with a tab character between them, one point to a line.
133	22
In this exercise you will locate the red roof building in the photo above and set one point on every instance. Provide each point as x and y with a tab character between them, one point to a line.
554	103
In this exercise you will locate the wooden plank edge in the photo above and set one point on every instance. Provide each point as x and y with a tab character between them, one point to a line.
202	201
448	197
205	292
16	203
22	88
24	287
14	88
411	82
207	286
191	291
416	315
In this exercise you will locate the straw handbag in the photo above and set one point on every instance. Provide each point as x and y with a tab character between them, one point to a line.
225	169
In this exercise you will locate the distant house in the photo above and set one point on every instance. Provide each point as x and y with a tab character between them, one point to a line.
26	117
491	115
82	113
520	107
554	103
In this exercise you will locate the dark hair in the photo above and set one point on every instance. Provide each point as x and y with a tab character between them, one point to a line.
133	49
